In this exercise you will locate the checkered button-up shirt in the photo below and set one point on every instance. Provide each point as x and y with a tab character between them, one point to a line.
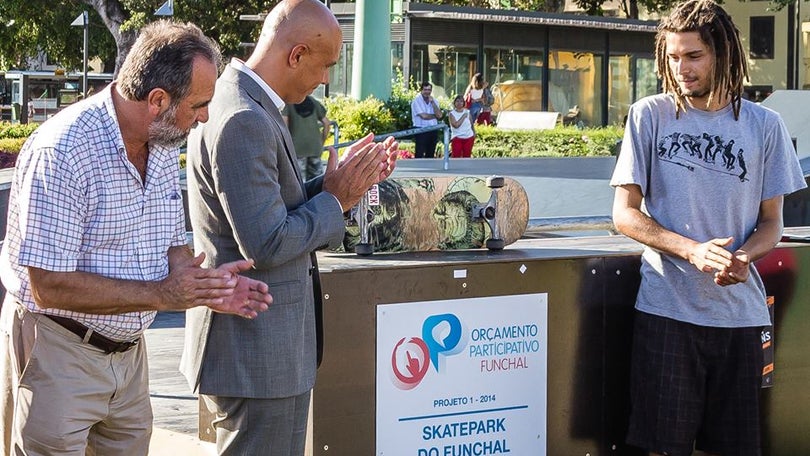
78	204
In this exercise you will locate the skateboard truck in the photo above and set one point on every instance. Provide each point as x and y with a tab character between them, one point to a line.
488	211
362	215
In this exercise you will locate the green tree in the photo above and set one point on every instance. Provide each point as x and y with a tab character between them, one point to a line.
777	5
28	27
591	7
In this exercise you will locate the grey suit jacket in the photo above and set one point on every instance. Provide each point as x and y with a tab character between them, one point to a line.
247	200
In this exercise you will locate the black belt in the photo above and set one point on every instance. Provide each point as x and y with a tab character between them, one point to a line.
95	339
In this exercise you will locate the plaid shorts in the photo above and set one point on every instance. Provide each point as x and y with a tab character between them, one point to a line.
694	387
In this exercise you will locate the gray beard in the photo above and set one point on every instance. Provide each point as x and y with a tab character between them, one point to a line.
164	132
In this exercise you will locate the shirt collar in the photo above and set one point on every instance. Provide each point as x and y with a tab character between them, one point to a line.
107	99
156	152
239	65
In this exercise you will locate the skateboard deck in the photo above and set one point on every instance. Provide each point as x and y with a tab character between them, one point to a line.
438	213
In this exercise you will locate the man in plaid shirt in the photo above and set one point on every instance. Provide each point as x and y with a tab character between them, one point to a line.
96	246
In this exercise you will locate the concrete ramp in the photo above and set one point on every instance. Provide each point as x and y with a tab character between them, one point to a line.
792	106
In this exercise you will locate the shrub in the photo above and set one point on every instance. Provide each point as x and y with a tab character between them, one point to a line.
557	142
399	105
11	145
9	130
12	138
357	118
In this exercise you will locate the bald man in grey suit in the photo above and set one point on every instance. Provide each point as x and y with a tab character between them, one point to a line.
247	200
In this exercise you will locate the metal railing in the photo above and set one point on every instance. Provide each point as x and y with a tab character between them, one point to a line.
403	134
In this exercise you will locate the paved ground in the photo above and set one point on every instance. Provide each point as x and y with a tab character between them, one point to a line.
174	407
556	188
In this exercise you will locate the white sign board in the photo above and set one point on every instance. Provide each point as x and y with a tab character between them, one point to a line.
462	377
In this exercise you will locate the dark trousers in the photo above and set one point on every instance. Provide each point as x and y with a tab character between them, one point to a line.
425	144
254	426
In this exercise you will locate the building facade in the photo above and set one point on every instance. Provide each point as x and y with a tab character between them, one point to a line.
777	45
590	67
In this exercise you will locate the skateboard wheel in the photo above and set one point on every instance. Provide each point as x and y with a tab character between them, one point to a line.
495	182
495	244
365	249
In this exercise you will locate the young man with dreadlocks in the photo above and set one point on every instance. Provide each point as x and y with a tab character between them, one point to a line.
704	218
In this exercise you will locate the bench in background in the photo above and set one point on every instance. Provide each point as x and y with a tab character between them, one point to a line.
527	120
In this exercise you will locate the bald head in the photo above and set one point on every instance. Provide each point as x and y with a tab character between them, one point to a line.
300	41
296	20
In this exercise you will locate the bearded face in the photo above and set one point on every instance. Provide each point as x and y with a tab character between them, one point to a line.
163	131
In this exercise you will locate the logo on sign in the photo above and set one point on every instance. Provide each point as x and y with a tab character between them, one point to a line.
442	336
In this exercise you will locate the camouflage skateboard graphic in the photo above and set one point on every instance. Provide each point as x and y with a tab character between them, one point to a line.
438	213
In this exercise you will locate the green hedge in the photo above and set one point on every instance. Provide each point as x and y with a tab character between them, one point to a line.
9	130
558	142
12	138
356	118
11	145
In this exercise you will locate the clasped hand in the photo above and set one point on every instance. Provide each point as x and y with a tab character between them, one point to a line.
729	268
366	163
222	289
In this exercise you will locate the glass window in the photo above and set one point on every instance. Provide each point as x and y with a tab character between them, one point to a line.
646	78
620	90
516	77
396	59
761	33
448	68
340	75
575	85
631	78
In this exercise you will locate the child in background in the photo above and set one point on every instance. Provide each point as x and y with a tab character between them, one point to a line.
462	135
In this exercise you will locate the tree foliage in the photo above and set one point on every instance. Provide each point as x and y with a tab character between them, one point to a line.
522	5
28	27
630	8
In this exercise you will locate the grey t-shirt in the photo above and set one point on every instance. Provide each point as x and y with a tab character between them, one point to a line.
704	176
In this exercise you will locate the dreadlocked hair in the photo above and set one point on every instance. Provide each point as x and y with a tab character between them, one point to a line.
717	30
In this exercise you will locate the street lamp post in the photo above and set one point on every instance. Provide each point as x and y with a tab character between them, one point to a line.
82	21
166	9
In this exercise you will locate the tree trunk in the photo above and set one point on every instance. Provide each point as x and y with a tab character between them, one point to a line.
553	6
113	14
633	10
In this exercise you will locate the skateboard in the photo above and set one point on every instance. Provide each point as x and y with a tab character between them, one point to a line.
437	213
